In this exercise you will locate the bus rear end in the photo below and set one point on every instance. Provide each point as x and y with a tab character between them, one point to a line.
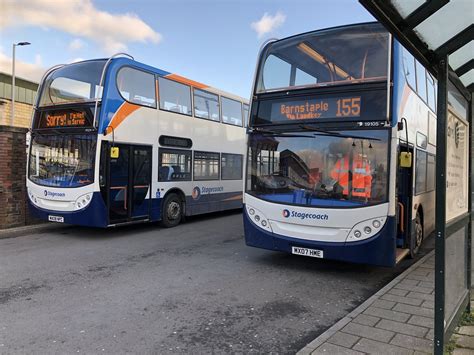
62	176
320	147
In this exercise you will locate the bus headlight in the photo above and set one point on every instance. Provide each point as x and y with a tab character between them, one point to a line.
258	218
370	227
83	201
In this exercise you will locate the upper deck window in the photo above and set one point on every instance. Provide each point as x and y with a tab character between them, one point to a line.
174	96
137	86
74	83
231	111
350	54
206	105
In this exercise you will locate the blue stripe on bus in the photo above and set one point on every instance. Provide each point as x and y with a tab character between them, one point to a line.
378	250
96	214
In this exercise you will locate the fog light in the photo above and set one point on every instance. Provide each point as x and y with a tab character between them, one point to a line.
257	218
376	223
264	223
88	197
357	234
79	205
251	211
367	230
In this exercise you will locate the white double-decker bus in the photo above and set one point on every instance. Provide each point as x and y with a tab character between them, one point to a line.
116	141
341	147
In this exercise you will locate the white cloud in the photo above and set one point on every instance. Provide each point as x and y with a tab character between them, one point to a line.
76	44
80	18
268	23
29	71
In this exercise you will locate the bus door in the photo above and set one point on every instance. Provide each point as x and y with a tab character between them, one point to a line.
405	199
128	182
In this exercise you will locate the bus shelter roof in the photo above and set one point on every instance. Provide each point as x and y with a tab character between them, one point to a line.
431	30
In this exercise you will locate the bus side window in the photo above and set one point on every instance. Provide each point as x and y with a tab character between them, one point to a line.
420	172
174	96
231	166
431	92
409	68
421	81
231	111
206	165
206	105
137	86
246	115
174	165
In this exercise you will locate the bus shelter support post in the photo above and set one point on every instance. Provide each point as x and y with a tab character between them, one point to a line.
470	200
440	236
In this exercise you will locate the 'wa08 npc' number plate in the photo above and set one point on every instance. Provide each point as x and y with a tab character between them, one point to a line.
314	253
58	219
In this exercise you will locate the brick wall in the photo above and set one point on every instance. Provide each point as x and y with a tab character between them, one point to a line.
22	114
13	200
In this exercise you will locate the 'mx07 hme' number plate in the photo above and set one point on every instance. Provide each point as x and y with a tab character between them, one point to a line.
314	253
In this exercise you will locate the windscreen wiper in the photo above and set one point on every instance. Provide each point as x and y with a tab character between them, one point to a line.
322	132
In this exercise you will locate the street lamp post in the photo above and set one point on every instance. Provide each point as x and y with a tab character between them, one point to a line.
13	78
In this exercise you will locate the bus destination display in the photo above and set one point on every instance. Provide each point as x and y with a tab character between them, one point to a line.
361	106
319	108
63	119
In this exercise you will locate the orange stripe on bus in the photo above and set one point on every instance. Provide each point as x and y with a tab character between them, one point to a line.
122	113
183	80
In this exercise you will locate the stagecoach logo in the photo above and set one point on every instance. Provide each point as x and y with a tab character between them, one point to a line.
302	215
53	194
203	190
196	193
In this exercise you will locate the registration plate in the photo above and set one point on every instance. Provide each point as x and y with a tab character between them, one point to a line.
58	219
314	253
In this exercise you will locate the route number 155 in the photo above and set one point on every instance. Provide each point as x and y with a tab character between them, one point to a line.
348	107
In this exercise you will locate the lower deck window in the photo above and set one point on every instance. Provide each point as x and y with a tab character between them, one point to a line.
231	166
206	165
174	165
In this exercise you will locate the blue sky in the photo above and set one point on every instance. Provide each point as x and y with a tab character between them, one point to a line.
210	41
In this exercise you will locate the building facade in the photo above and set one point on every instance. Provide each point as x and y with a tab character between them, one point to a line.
24	98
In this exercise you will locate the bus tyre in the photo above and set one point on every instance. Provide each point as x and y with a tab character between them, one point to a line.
172	211
415	244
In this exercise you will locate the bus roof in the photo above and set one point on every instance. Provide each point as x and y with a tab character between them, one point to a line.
169	75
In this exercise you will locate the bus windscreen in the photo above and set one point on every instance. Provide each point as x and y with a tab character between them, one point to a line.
342	55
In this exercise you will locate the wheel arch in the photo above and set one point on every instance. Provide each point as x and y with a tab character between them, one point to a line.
180	194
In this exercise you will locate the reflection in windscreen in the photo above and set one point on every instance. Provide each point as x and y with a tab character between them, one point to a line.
350	54
62	160
311	169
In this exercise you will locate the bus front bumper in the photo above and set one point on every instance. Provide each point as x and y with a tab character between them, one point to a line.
378	250
94	215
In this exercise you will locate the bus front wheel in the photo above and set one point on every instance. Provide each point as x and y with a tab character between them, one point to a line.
172	211
415	244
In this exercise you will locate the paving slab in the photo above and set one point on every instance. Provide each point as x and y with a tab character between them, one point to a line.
343	339
328	348
465	341
412	342
366	319
466	330
402	328
376	347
